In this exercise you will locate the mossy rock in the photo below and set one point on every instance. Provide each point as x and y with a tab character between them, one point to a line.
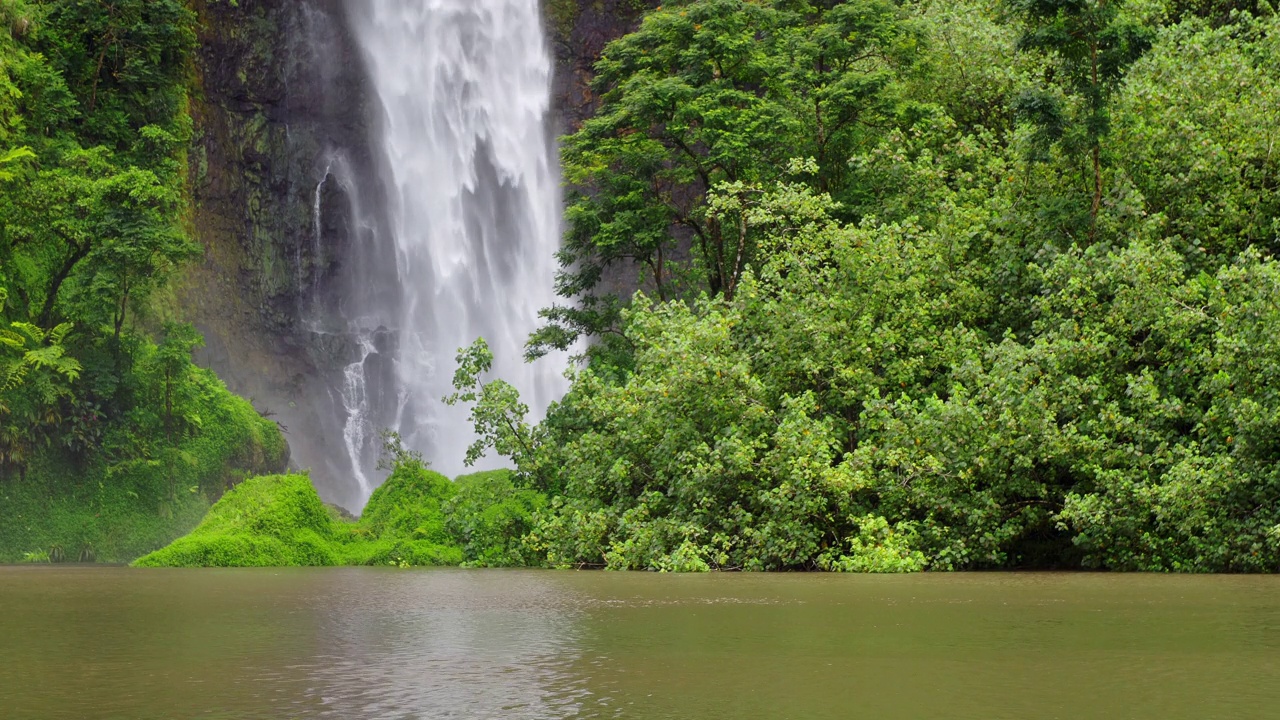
410	505
417	518
269	521
280	521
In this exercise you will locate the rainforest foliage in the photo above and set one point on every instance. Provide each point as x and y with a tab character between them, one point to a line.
111	441
922	285
860	285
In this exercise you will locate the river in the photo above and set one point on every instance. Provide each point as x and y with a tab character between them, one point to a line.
372	643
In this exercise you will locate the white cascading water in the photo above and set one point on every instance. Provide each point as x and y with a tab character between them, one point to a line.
474	200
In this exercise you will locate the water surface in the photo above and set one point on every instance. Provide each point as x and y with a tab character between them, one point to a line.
372	643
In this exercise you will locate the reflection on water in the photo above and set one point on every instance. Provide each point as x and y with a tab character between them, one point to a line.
368	643
445	644
108	643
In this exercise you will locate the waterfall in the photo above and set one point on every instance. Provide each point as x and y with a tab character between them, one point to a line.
317	240
473	208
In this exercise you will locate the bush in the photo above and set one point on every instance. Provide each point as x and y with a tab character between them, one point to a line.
489	516
402	552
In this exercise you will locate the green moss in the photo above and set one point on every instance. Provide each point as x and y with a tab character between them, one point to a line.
270	521
417	518
409	505
562	15
404	522
281	521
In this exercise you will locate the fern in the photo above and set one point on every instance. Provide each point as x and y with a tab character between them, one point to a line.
12	156
38	350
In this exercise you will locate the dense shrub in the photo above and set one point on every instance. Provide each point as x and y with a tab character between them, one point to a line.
1028	322
489	516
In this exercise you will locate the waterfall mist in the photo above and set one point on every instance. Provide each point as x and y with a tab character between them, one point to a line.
465	245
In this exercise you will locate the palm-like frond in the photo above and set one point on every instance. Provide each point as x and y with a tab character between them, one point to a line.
12	156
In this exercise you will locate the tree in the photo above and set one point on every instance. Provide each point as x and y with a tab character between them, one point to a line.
88	237
1196	128
709	92
125	61
1093	45
497	413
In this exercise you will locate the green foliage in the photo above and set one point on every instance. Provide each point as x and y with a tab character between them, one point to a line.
1093	43
877	548
416	518
1196	124
497	413
408	505
708	92
969	70
269	521
927	286
11	157
110	445
946	352
35	377
124	61
36	556
419	517
490	516
1198	490
133	492
281	521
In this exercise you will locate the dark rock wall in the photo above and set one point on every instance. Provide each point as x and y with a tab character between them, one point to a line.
279	86
579	31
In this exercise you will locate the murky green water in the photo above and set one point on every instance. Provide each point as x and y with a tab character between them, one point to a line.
351	644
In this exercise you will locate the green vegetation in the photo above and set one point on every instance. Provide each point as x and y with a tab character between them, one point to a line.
925	286
111	443
269	521
489	517
404	522
417	518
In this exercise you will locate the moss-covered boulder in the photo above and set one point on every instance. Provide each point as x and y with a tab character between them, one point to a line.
404	521
409	504
270	521
280	521
417	518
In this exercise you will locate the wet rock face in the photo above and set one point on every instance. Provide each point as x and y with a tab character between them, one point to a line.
579	31
280	88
